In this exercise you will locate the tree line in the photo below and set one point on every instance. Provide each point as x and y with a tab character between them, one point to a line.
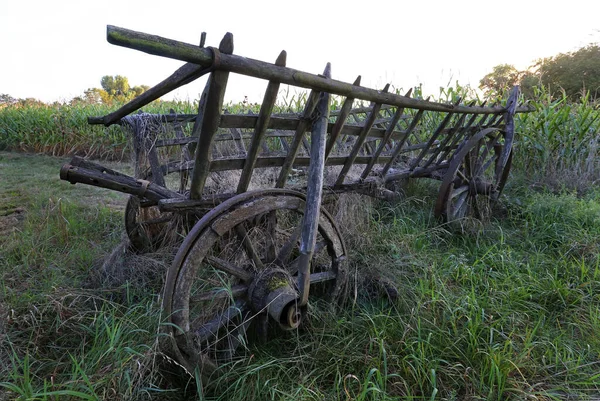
574	74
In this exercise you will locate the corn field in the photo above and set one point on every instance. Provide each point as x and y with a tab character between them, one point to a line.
559	140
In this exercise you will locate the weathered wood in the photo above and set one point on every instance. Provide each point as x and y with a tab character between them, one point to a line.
342	115
261	128
465	132
301	128
509	130
210	122
160	46
314	191
386	137
368	124
399	146
184	75
88	165
455	130
121	183
434	137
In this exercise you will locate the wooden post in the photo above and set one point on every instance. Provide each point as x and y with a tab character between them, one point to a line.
261	128
210	120
314	191
509	131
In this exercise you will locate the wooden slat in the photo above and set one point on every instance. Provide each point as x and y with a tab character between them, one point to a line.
462	134
210	122
368	124
454	130
434	137
301	128
340	121
261	128
183	75
386	137
399	146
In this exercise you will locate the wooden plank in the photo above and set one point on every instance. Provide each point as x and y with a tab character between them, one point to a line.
509	131
301	128
122	183
185	74
210	122
340	121
385	140
164	47
449	135
434	137
314	192
368	124
462	134
261	128
399	146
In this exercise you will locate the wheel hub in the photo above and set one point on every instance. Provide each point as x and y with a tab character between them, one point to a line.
273	291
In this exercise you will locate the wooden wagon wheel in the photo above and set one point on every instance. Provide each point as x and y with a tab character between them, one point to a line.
147	228
236	273
475	177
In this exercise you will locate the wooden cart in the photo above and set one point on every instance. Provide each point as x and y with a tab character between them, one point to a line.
246	189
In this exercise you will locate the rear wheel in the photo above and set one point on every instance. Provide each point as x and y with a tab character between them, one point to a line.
475	178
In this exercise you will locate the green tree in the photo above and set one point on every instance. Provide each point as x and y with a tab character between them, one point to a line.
113	88
576	72
117	85
502	77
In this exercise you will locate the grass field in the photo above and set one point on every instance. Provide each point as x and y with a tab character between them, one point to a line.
507	310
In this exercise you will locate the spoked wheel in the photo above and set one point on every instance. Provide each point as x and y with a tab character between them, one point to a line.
236	274
475	178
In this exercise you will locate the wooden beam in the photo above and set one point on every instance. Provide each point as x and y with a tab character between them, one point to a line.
411	127
210	120
183	75
164	47
301	128
314	192
342	115
386	138
261	128
368	124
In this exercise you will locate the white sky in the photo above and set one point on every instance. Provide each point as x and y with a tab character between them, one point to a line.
54	50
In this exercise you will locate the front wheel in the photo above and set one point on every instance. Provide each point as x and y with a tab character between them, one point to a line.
237	272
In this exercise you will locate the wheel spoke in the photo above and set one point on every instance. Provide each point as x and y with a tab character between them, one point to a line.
222	293
230	268
322	276
205	330
242	235
286	250
460	207
270	236
294	264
